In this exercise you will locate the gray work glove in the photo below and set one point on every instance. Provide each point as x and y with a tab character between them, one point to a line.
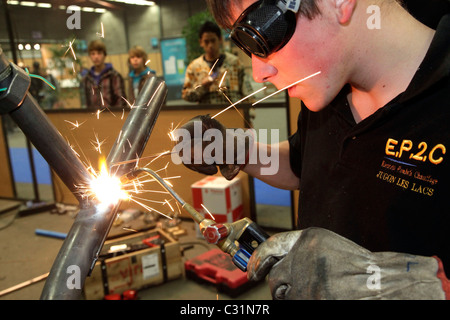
205	144
318	264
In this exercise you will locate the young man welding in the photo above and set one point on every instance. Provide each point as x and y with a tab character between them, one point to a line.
370	154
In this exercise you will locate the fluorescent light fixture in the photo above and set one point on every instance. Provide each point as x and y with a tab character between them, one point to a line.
100	10
74	8
13	2
62	7
28	3
28	46
37	46
137	2
20	46
87	9
44	5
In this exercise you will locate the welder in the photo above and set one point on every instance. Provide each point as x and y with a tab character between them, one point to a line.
371	126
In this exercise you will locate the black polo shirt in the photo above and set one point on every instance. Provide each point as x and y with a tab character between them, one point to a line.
383	183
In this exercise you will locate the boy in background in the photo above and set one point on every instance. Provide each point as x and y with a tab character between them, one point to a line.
137	58
102	86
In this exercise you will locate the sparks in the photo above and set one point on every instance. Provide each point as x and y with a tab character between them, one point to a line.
75	124
212	68
157	89
71	49
231	106
223	78
287	87
97	144
207	211
101	35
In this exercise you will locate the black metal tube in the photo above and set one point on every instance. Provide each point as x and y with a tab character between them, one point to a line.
50	143
138	126
85	239
79	252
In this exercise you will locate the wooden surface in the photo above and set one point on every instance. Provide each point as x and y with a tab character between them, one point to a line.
106	129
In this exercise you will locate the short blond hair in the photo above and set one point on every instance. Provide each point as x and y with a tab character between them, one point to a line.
137	51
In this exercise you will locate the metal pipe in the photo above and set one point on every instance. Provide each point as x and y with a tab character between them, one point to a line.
138	126
79	253
85	239
36	126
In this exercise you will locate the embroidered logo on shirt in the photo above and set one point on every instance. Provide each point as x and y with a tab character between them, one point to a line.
401	165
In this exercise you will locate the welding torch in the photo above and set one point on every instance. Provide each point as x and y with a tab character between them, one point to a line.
239	239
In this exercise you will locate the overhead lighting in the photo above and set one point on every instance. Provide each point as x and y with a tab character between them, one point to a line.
87	9
100	10
44	5
73	7
12	2
20	46
28	46
137	2
28	3
37	46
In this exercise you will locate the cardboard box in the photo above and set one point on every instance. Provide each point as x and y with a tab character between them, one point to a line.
222	198
141	261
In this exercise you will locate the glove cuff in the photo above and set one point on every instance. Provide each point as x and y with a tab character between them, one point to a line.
441	275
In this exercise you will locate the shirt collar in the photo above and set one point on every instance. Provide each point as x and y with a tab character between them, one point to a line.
436	64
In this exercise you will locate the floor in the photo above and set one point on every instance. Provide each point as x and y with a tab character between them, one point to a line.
26	256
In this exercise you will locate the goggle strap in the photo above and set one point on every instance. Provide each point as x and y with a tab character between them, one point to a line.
292	5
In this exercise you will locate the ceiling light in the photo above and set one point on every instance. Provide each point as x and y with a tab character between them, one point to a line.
44	5
12	2
87	9
28	3
100	10
37	46
28	46
20	46
137	2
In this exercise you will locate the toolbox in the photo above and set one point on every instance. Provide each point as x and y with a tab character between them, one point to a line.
134	262
216	268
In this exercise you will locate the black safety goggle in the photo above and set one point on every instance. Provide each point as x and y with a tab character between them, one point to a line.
263	28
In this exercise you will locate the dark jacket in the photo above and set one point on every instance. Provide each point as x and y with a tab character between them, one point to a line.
109	83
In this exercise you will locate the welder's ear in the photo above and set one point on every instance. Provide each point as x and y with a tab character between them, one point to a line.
344	10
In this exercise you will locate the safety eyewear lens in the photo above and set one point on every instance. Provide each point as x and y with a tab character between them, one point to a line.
247	38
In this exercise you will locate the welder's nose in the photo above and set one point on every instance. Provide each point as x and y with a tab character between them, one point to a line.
262	70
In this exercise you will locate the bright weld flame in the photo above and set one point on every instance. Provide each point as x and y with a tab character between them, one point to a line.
106	188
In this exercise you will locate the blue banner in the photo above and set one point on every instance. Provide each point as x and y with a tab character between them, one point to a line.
173	53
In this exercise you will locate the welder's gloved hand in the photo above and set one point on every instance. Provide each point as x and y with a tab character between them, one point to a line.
205	144
318	264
